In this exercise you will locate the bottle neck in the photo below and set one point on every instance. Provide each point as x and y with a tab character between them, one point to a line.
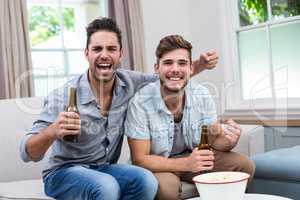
204	138
204	134
204	144
73	97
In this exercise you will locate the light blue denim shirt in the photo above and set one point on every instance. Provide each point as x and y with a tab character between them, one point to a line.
101	137
149	118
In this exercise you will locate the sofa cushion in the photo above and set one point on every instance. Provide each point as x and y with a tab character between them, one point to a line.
29	189
282	164
189	190
17	116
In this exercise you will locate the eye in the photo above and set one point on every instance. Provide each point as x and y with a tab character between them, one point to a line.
112	48
97	49
182	63
167	62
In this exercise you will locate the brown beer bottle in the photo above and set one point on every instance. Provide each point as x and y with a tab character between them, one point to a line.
204	139
72	107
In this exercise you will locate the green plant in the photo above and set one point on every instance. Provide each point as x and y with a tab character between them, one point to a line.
252	11
256	11
44	22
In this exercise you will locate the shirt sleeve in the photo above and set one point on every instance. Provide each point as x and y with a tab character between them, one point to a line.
53	105
141	79
210	116
136	124
205	104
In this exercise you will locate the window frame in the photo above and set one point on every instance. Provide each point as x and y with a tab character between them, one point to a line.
232	88
103	4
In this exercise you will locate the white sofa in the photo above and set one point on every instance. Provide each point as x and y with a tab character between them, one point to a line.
19	180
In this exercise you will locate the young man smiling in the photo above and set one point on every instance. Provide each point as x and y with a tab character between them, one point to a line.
87	169
164	122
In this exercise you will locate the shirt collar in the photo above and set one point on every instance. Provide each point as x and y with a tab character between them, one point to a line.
86	94
119	85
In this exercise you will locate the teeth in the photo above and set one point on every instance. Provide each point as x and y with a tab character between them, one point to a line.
174	79
103	65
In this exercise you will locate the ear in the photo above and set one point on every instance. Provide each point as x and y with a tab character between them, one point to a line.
192	70
86	52
156	66
121	54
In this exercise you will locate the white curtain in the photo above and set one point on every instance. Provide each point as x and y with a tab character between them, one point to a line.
15	59
128	15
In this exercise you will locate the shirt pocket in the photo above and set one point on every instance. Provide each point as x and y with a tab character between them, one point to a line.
90	129
160	142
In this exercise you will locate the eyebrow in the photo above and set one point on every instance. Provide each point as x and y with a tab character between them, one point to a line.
171	60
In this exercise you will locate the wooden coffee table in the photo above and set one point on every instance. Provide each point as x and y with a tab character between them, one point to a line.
253	196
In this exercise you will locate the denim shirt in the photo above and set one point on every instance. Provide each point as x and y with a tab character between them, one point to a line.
149	118
100	137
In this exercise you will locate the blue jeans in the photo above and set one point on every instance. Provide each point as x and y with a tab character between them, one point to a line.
104	182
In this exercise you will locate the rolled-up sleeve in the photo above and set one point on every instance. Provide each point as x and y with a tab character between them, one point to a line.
205	104
210	116
136	124
53	105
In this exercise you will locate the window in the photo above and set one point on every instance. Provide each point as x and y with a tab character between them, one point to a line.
265	53
58	38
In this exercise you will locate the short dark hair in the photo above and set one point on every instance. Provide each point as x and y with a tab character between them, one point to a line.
170	43
100	24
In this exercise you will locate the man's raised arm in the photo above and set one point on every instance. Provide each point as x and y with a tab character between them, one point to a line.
206	60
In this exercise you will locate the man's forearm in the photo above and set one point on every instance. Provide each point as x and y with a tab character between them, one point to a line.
222	144
161	164
197	67
38	144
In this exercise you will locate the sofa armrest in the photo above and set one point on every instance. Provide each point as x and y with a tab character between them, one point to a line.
251	141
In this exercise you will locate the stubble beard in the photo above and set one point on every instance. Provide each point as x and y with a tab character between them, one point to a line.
102	79
172	91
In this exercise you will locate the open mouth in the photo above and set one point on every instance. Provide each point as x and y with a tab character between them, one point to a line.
104	66
174	78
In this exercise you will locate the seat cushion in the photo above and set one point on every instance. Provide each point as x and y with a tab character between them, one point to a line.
282	164
34	190
188	190
29	189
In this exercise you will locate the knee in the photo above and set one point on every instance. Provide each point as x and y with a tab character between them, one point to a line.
249	167
168	193
150	182
246	165
145	182
108	188
169	186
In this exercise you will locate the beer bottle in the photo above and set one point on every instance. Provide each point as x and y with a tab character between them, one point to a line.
72	107
204	139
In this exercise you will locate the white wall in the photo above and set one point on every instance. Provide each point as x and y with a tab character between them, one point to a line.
199	21
161	18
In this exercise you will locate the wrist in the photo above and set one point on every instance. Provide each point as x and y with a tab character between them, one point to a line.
186	166
51	132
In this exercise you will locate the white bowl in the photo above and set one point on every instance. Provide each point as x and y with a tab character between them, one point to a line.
221	185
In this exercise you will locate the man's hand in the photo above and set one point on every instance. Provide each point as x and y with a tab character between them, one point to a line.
200	160
232	132
207	60
224	136
67	123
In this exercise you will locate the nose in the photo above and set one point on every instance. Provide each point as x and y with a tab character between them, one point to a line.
175	66
104	54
